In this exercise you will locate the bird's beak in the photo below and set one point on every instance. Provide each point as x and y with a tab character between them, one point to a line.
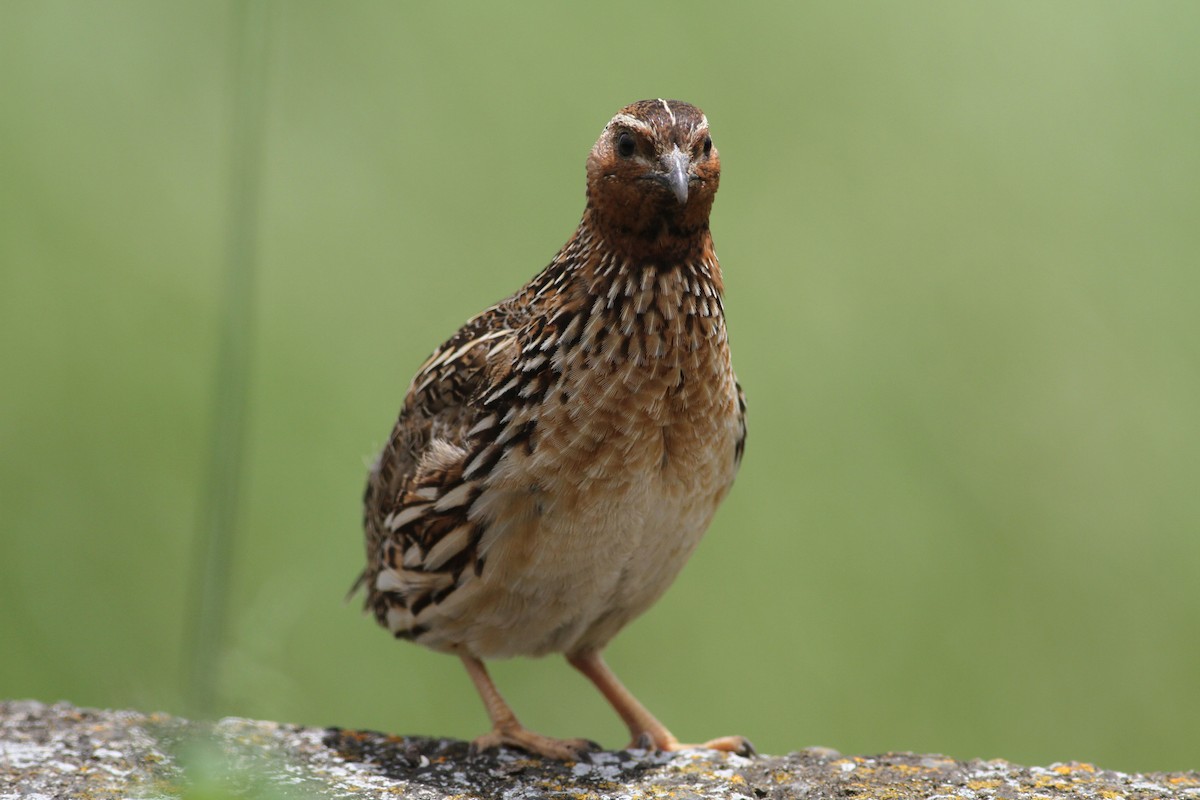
675	173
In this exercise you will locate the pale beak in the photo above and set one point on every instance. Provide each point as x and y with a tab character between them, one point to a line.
675	173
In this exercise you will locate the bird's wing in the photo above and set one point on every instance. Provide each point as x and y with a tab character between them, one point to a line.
440	403
740	445
415	508
454	375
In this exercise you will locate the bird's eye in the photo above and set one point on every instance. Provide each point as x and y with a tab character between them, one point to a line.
625	144
707	145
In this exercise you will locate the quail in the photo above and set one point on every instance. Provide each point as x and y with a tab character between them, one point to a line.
558	459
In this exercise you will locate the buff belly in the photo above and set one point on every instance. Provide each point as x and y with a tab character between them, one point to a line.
577	544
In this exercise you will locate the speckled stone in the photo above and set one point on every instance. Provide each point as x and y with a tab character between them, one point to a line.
50	751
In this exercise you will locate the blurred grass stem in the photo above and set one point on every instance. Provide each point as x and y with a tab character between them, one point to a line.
219	504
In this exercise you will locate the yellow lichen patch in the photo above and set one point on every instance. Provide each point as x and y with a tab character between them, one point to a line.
988	784
876	792
1051	782
1074	766
695	768
910	769
1184	780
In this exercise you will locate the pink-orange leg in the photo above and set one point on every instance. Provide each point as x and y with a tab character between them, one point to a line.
642	724
507	729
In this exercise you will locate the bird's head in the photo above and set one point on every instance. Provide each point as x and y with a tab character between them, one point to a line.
652	177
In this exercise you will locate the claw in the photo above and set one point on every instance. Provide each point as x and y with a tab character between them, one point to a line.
738	745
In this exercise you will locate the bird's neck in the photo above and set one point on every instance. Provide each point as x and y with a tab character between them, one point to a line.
633	309
650	235
666	249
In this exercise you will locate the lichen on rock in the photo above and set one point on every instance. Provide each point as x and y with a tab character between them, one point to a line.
63	751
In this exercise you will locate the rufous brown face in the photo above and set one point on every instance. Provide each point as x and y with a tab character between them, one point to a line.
653	174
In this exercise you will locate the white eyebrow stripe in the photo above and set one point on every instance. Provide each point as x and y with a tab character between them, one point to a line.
670	113
632	122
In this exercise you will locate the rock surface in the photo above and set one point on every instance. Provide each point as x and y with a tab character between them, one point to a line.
63	751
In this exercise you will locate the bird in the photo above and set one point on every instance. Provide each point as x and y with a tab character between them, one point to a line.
557	460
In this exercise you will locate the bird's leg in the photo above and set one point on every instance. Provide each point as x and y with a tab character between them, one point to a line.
507	729
642	724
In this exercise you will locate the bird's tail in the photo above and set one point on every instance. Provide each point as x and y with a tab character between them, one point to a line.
359	582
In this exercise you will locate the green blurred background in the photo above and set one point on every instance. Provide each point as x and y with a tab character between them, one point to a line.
961	247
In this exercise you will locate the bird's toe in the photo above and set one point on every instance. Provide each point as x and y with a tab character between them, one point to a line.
535	744
738	745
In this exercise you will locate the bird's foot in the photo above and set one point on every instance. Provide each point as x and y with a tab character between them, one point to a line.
534	744
646	740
